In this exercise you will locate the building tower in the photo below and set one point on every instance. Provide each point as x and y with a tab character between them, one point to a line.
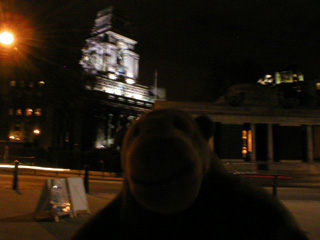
108	53
112	69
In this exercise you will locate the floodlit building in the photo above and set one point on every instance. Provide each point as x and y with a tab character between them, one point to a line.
112	68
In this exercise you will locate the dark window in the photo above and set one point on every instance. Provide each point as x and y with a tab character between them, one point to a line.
228	141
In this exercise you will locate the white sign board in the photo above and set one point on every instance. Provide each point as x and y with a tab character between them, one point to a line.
77	195
62	196
54	199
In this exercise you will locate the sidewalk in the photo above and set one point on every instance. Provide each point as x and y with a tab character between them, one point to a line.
16	209
307	214
16	216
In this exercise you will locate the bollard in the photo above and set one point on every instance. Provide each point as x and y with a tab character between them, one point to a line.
86	178
102	168
15	175
275	184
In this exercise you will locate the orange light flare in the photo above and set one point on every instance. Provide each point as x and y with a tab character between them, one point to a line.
6	38
16	34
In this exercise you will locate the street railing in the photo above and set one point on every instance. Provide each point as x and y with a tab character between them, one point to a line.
274	177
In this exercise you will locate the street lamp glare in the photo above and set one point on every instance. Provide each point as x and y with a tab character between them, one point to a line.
36	131
6	38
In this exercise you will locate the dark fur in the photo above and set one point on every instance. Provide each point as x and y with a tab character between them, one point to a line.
225	208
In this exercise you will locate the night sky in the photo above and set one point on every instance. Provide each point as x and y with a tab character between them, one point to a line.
197	46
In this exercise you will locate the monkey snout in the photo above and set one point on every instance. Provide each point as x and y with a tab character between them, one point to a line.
160	160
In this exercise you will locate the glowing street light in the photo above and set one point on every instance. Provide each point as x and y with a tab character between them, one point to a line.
36	131
6	38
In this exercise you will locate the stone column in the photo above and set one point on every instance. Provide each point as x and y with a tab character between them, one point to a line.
310	155
110	128
253	154
270	144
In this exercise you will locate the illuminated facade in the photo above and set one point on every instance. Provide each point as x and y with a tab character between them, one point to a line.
109	58
282	77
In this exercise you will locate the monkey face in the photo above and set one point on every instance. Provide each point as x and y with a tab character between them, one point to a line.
165	159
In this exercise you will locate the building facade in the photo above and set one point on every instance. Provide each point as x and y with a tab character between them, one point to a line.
112	66
22	113
259	132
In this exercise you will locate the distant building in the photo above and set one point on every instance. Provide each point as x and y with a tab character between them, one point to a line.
112	69
255	130
22	113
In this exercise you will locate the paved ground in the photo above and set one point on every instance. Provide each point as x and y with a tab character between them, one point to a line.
16	216
16	211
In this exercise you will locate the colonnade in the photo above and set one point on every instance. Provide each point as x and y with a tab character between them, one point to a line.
270	143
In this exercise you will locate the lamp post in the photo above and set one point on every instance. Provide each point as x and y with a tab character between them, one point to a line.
6	41
36	133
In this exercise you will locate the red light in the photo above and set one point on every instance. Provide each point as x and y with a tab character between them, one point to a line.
266	176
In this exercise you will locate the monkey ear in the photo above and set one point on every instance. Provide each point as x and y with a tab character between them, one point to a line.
206	126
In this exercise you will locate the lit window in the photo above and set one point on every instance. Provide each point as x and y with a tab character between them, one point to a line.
318	86
41	83
19	112
13	83
250	141
244	134
301	77
112	76
130	81
37	112
29	112
246	142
